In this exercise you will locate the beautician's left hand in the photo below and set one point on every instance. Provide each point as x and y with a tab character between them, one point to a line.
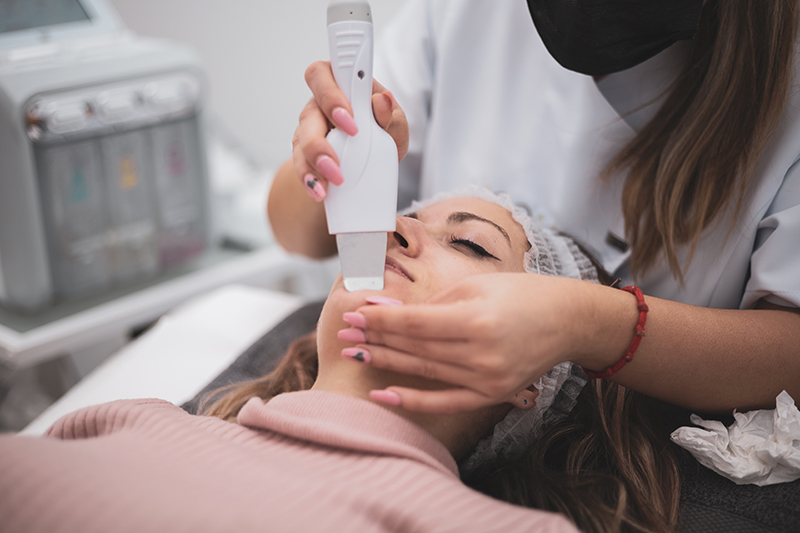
490	336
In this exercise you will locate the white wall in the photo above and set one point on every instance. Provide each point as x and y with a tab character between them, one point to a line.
255	52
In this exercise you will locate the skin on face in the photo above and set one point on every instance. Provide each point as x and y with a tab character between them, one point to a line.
429	251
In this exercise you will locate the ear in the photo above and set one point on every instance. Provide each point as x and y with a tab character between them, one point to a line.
525	399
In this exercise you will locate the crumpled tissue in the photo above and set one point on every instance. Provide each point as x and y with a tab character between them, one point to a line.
761	447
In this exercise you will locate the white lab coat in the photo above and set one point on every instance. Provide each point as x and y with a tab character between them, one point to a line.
488	105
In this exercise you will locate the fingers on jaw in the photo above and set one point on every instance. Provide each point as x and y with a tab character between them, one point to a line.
407	363
403	320
419	351
448	401
403	363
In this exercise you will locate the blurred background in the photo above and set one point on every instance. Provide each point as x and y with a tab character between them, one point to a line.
255	53
252	55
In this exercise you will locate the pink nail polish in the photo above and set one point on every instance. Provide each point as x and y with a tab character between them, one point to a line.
330	170
344	121
357	354
355	319
352	335
315	188
383	300
385	396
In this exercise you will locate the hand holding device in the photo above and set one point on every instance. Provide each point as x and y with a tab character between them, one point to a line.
362	210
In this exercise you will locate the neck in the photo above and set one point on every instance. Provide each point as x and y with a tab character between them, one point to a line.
458	433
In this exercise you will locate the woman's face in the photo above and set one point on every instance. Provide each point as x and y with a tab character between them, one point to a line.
430	250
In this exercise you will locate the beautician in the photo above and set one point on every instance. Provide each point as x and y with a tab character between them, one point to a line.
663	135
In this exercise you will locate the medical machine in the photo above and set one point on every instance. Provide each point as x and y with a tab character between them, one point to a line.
102	165
362	210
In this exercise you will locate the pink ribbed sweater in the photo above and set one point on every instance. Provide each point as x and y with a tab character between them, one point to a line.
305	461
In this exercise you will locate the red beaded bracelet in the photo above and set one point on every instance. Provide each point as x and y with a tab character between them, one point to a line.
637	338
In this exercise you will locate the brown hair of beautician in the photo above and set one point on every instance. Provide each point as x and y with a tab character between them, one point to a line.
697	156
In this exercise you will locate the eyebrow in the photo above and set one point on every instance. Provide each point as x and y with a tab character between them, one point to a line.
464	216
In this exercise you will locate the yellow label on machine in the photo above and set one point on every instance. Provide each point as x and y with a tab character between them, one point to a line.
128	178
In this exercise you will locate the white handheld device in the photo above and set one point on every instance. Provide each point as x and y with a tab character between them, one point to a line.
362	210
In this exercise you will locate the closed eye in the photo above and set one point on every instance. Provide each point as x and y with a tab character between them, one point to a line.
474	247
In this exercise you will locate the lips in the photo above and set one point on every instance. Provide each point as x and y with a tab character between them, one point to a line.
397	268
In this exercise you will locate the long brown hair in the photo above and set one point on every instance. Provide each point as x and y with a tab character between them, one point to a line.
296	371
606	466
615	474
696	158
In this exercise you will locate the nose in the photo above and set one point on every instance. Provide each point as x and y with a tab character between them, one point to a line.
406	238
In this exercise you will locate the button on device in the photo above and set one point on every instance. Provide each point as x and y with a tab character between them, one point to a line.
34	53
66	117
113	107
170	96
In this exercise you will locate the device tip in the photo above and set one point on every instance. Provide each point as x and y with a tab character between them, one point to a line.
363	259
364	284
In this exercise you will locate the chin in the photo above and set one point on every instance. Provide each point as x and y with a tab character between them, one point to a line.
340	301
394	287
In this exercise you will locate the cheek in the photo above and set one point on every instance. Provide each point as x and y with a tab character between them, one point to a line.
330	320
450	269
326	327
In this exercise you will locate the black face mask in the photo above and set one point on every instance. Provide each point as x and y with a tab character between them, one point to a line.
598	37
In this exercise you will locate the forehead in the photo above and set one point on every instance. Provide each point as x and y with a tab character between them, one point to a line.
439	211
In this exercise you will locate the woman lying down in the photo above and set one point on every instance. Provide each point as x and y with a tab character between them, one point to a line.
307	448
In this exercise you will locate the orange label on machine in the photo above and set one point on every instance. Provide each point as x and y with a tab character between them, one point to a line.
128	178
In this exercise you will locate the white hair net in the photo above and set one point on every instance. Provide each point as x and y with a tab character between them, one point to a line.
551	254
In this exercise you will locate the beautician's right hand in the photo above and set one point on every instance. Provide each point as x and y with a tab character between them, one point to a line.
313	157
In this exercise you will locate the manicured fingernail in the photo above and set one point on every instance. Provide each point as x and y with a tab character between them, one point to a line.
355	319
330	170
383	300
315	188
385	396
357	354
344	121
353	335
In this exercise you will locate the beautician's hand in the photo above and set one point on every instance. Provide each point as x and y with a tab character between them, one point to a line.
312	155
294	207
490	336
